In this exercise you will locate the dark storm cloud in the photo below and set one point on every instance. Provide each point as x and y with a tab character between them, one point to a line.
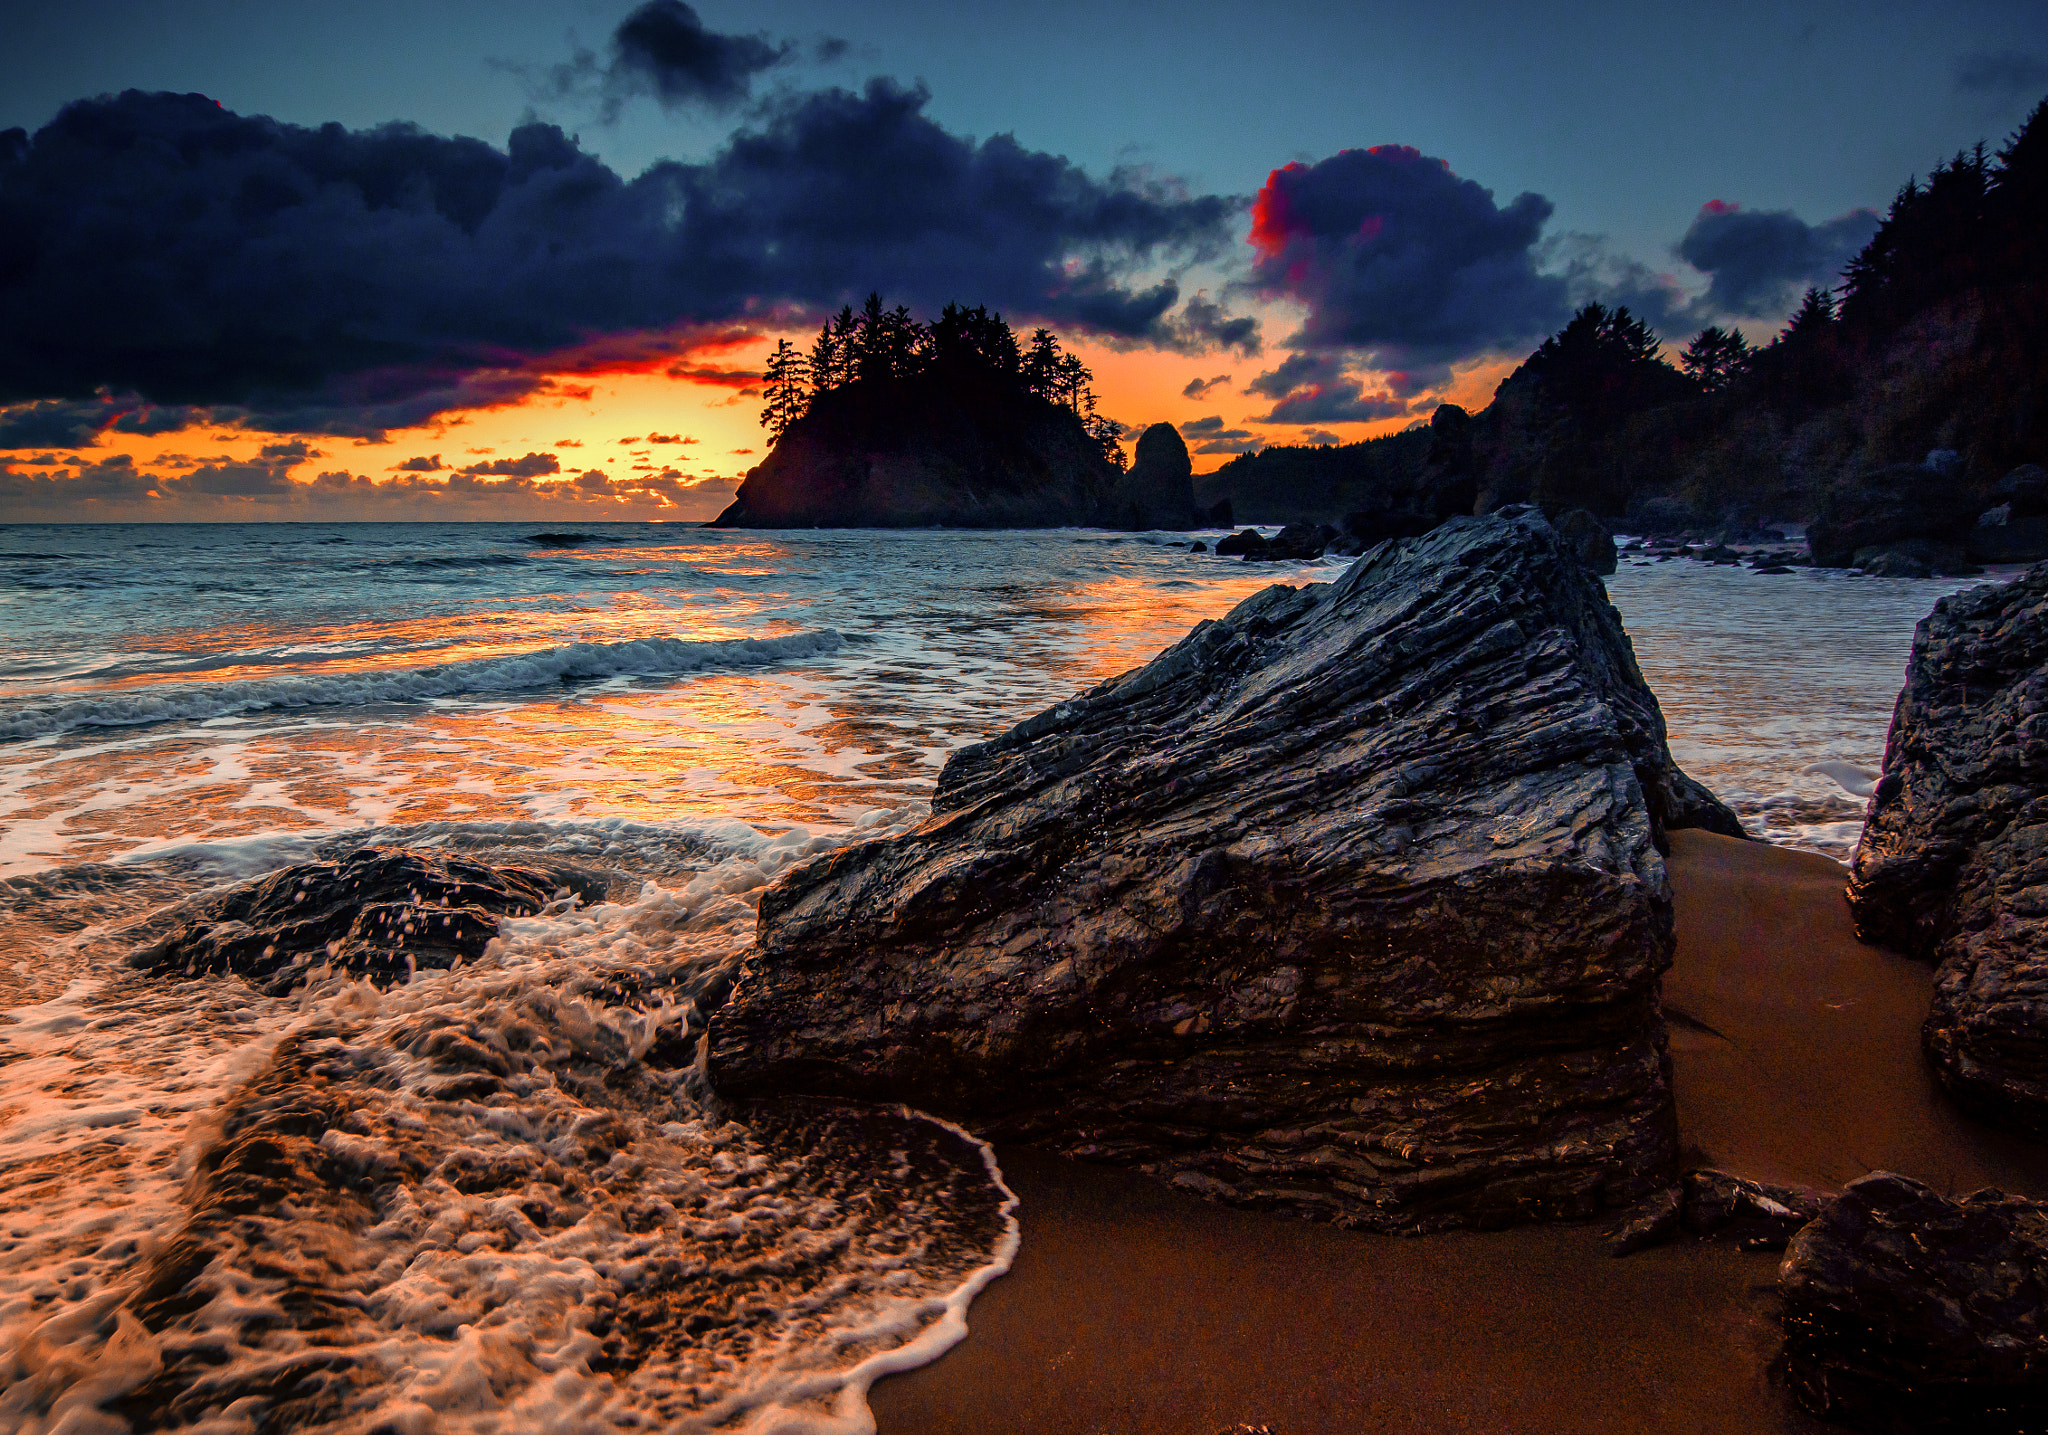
1393	253
53	423
78	423
1208	435
1203	327
1760	261
1313	388
2002	74
662	50
665	47
336	281
531	466
1199	388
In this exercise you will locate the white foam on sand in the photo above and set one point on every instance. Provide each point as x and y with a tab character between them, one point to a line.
500	1197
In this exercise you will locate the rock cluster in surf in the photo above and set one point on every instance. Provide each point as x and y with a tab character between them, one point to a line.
1351	904
377	913
1953	863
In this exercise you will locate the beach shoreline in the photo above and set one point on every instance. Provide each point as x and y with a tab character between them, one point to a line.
1133	1309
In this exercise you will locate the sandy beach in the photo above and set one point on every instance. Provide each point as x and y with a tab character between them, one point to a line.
1135	1310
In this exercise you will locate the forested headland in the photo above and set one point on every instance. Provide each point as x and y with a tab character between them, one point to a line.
1935	341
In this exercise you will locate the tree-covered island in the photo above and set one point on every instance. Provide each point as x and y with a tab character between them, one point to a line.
889	422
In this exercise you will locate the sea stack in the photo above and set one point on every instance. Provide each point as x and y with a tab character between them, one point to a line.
1349	904
1158	491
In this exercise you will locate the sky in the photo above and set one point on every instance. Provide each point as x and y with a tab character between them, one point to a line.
523	260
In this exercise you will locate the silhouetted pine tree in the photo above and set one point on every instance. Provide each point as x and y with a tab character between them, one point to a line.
1715	358
783	391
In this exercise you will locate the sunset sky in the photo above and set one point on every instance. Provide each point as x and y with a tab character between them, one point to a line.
523	260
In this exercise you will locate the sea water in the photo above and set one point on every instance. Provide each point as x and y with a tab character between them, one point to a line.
599	1245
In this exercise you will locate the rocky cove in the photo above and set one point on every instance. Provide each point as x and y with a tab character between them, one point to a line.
1379	901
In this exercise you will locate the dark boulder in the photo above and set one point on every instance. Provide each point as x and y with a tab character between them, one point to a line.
377	913
1588	539
1953	863
2016	529
1657	516
1159	489
1916	558
1297	542
1889	506
1904	1310
1351	903
2024	491
1216	515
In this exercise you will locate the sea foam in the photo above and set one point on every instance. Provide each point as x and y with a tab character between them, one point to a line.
517	672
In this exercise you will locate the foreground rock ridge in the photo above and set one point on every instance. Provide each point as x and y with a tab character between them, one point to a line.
1350	903
1953	863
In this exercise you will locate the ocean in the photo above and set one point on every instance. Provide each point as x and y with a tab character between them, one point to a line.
598	1245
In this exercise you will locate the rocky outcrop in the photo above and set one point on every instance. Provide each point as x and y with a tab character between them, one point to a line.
1719	1206
1588	539
377	913
927	452
1953	863
2015	529
1159	489
1296	543
1907	501
1907	1311
1350	904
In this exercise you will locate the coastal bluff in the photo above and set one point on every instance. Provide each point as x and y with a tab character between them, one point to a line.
929	451
1351	904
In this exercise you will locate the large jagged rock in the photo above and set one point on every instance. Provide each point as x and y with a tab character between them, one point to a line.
1350	903
1953	863
1907	1311
379	913
1159	489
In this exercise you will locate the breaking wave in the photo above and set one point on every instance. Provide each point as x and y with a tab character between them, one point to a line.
641	657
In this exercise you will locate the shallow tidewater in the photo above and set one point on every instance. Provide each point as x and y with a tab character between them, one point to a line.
689	712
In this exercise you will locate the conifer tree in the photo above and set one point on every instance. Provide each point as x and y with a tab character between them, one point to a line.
1716	358
783	391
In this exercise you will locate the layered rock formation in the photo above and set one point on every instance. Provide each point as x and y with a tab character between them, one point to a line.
1349	904
378	913
1953	864
1907	1311
922	452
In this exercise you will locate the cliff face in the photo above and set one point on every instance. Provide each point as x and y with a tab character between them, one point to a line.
919	453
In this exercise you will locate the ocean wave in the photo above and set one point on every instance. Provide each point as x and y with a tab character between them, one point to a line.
641	657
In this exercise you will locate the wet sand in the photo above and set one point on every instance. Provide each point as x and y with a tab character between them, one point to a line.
1135	1310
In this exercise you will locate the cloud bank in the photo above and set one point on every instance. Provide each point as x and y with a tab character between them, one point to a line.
336	281
1393	254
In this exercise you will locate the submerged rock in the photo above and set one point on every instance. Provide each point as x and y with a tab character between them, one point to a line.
1907	1311
1351	904
1953	863
377	913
